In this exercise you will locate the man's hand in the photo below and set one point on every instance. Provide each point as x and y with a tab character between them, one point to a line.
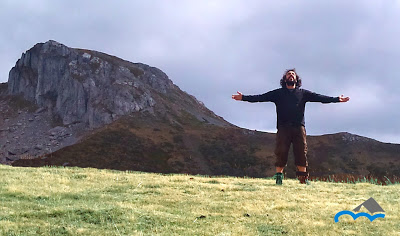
238	96
343	99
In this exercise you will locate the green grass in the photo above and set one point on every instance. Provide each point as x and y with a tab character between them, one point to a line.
77	201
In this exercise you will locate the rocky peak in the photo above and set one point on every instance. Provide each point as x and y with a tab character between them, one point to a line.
83	86
348	137
57	95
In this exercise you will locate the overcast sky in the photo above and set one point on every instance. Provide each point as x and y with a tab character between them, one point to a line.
211	49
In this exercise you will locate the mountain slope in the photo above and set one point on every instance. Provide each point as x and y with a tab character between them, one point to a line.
155	144
75	91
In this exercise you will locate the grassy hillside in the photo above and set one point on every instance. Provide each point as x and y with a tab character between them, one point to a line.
170	143
156	144
76	201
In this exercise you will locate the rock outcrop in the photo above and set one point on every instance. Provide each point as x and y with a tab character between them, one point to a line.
84	86
77	91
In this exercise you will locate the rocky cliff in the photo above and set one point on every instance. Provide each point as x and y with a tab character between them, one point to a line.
83	86
77	90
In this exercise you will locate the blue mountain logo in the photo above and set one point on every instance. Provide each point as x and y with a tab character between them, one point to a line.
371	205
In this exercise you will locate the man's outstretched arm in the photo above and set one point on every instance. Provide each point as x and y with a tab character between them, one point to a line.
315	97
266	97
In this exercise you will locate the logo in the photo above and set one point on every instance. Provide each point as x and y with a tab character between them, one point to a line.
371	205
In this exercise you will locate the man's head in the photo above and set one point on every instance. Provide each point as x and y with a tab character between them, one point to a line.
290	79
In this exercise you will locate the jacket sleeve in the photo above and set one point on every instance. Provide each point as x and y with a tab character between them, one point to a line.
270	96
315	97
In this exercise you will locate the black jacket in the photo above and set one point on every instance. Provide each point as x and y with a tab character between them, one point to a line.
290	103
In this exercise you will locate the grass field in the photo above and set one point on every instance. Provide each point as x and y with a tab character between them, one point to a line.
76	201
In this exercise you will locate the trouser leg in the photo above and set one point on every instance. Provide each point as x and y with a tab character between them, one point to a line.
300	147
300	154
283	141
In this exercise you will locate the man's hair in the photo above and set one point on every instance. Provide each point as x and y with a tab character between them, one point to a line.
298	83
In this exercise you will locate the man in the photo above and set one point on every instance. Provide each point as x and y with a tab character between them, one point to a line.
290	101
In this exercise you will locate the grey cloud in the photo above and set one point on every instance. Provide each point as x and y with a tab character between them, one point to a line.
211	49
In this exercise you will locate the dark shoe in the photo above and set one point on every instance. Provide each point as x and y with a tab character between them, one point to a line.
303	177
279	178
304	180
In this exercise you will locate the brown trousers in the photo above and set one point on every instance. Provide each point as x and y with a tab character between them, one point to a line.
285	136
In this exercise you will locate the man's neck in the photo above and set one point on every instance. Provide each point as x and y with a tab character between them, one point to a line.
291	87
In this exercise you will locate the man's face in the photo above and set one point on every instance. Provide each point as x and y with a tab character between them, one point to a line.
291	76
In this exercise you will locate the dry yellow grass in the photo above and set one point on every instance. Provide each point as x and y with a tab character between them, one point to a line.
75	201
